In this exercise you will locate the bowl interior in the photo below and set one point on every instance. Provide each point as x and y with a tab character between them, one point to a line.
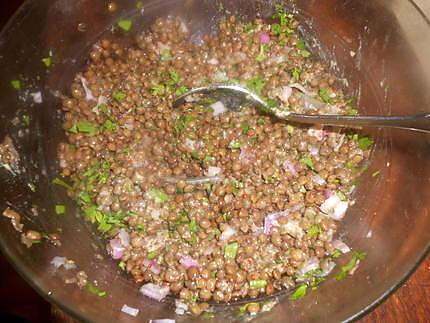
371	45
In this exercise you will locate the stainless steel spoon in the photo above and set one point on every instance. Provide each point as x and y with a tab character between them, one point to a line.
238	95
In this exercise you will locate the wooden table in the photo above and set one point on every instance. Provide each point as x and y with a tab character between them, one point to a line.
411	303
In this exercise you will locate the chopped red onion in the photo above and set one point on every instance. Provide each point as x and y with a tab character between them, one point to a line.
57	262
130	310
293	228
162	321
327	267
314	151
329	204
88	94
218	108
353	269
340	245
317	133
117	250
181	307
227	233
213	61
245	154
311	264
213	171
327	193
188	262
285	93
264	38
124	237
37	97
318	180
271	220
190	144
340	210
154	291
153	266
289	166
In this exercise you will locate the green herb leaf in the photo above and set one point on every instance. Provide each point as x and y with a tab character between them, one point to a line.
158	89
119	96
122	265
299	293
290	129
60	209
325	96
351	112
84	127
314	231
245	127
181	91
336	253
234	145
193	226
152	255
95	290
307	161
109	125
47	61
26	119
182	123
341	195
355	260
16	84
139	5
230	250
256	84
140	228
295	73
125	24
301	44
166	55
159	196
305	53
365	143
257	284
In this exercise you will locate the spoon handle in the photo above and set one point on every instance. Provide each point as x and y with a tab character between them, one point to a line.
419	122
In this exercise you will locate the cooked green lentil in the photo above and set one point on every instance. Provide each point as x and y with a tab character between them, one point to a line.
251	232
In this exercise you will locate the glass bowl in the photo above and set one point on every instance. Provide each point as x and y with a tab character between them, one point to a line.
380	48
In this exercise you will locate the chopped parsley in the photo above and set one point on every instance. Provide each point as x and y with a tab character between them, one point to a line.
16	84
158	89
119	96
95	290
152	255
290	129
181	90
341	195
60	182
47	61
182	123
235	145
230	250
299	293
307	161
26	119
122	265
355	260
159	196
256	84
109	125
325	96
257	284
245	127
336	253
83	127
60	209
284	26
314	231
125	24
365	142
295	73
351	112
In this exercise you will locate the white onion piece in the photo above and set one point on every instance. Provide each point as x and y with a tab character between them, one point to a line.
218	108
327	193
245	154
129	310
318	180
190	144
188	262
340	245
340	210
124	237
293	229
290	167
213	61
314	151
317	133
227	233
311	264
57	262
271	220
328	206
311	103
213	171
117	250
284	93
37	97
88	94
153	266
69	265
162	321
181	307
154	291
327	268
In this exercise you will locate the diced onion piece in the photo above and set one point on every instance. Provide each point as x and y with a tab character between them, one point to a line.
264	38
181	307
327	193
340	245
290	167
124	237
312	264
285	93
213	61
162	321
340	210
293	229
37	97
218	108
130	310
227	233
329	204
188	262
245	154
88	94
213	171
117	250
57	262
153	266
271	220
154	291
318	180
327	267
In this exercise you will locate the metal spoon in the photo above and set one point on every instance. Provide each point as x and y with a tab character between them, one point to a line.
237	96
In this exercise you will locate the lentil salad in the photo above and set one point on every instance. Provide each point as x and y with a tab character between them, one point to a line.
268	221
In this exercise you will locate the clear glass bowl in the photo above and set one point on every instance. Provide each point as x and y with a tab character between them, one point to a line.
381	48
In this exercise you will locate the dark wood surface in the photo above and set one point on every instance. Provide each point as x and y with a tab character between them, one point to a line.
411	303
